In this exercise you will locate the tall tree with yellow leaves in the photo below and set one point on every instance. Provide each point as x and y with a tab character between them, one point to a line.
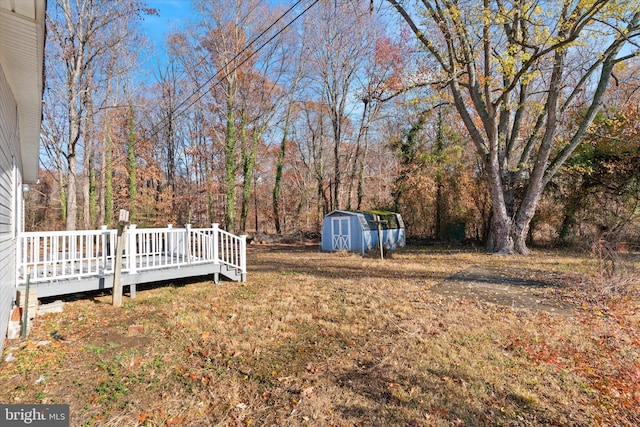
516	69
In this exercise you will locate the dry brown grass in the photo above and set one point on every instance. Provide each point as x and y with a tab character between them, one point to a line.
340	340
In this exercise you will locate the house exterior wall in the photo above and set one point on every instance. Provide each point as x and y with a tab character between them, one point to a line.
10	201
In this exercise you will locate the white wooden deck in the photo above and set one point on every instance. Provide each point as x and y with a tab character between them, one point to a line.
66	262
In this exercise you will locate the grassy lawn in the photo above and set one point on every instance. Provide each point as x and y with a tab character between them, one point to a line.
339	340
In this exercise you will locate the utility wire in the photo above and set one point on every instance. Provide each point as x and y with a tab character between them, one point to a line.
190	101
173	110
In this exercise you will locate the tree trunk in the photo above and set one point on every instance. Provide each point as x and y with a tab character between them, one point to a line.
336	168
100	211
230	166
356	176
520	233
279	167
246	171
249	162
72	200
360	189
323	202
108	183
87	164
93	202
75	120
63	184
571	206
171	157
439	178
89	181
500	234
131	157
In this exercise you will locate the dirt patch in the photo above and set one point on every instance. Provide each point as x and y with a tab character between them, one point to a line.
515	288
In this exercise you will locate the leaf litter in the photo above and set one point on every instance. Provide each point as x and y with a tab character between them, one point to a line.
337	339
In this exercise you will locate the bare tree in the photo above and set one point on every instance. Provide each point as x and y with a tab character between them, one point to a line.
515	69
82	32
337	52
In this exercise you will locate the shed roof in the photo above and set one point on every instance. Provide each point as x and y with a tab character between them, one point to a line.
366	217
22	58
341	212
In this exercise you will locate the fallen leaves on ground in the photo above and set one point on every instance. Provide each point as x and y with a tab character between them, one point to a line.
337	339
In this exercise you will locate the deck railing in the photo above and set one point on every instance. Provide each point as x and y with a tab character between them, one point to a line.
56	255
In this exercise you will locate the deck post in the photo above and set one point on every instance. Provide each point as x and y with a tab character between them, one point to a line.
116	292
169	248
243	256
214	227
103	267
187	230
131	249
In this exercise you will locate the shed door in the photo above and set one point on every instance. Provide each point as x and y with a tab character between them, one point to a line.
341	238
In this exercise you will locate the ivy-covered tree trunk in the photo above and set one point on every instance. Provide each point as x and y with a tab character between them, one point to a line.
230	166
247	170
407	148
211	208
108	182
279	169
278	184
83	34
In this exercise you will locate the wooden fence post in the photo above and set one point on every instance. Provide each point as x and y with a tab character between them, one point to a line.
379	223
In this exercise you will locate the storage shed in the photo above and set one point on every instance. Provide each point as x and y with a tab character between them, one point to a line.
358	231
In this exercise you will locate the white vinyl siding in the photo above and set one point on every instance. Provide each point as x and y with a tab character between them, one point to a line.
10	200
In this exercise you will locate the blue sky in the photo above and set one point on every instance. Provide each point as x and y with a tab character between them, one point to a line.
172	13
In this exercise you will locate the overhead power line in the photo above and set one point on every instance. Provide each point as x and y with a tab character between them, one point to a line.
189	101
